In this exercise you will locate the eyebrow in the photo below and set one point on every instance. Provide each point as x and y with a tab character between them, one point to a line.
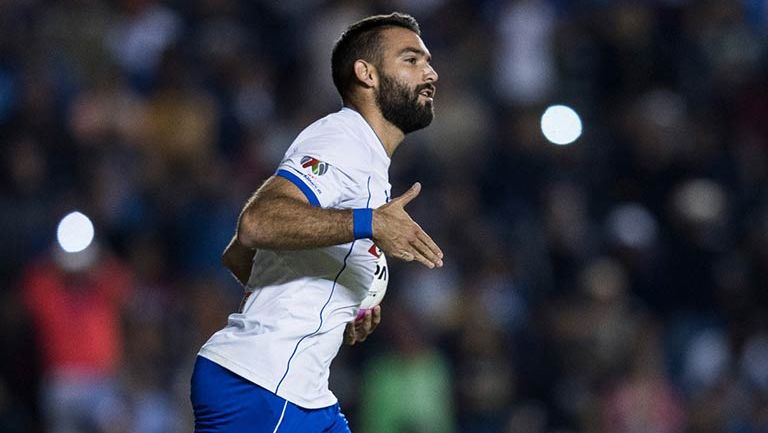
415	51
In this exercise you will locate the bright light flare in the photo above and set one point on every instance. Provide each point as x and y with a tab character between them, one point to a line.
75	232
561	125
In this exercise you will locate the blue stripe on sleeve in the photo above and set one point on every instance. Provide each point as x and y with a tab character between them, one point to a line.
302	186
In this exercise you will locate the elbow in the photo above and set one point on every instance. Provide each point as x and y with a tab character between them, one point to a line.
250	233
226	259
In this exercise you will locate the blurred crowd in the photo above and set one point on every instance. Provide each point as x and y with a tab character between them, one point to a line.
614	285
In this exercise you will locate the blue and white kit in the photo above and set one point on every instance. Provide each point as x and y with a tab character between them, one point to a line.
292	323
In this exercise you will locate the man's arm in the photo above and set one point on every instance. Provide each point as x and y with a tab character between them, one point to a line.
238	259
266	222
279	217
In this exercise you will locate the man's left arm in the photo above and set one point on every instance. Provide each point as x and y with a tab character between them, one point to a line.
238	259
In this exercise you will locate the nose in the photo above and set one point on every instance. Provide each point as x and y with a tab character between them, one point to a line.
431	74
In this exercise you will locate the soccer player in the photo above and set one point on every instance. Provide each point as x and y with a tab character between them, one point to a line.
306	243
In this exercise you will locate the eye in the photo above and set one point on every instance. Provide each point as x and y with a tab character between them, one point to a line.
411	60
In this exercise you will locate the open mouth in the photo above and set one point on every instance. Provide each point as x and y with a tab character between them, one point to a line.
428	92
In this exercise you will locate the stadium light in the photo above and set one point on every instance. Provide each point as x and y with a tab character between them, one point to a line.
561	125
75	232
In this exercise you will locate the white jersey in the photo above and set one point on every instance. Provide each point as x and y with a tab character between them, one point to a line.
292	324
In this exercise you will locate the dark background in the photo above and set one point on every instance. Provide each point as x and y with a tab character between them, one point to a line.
617	284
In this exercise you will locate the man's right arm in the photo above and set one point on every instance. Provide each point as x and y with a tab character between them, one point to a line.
280	217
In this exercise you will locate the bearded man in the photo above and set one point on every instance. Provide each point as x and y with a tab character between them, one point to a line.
308	241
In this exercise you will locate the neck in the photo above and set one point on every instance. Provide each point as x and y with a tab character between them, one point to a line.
389	135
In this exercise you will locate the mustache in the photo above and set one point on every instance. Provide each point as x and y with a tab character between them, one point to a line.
429	86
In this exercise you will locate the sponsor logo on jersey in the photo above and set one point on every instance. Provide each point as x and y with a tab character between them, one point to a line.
309	179
318	167
381	272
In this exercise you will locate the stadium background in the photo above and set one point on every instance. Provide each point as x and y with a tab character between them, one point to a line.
614	285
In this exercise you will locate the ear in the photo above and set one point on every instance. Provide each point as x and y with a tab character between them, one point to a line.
366	73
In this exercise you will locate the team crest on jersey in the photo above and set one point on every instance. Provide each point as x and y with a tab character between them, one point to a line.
318	167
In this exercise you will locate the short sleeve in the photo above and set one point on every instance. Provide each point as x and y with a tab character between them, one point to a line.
324	184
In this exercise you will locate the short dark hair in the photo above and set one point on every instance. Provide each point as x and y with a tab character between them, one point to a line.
362	40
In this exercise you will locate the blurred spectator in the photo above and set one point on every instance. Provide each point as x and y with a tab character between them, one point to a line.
179	125
407	389
525	66
644	400
24	196
75	301
139	36
485	375
19	368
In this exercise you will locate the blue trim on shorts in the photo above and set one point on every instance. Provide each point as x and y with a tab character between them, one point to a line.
302	186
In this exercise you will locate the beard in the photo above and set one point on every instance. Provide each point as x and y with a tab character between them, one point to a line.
400	105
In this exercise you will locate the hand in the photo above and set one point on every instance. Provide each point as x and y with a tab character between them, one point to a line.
399	236
359	329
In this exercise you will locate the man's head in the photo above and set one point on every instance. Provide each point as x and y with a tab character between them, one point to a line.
384	56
